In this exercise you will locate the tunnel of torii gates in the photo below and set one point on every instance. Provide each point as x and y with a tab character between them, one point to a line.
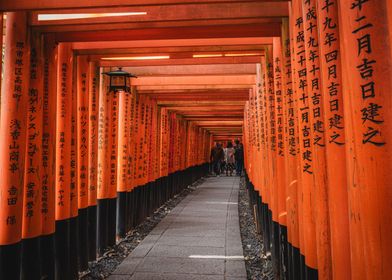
306	85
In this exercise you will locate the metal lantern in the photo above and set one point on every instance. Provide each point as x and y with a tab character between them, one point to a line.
119	80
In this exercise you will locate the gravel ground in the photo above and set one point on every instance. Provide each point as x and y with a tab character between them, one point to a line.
103	267
258	265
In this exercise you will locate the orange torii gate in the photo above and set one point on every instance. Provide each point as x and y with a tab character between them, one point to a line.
335	125
75	153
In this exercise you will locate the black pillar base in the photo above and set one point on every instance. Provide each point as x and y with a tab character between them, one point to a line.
102	226
73	247
112	203
62	250
31	259
311	273
10	259
92	233
303	267
275	248
121	214
296	263
284	253
47	255
83	239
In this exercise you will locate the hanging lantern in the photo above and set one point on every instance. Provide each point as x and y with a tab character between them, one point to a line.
119	80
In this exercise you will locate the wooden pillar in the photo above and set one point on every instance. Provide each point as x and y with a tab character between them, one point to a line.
74	193
138	145
262	156
319	201
32	215
1	40
122	177
267	197
14	100
49	158
306	193
131	161
103	171
63	160
332	94
112	192
280	156
82	152
291	155
367	84
92	183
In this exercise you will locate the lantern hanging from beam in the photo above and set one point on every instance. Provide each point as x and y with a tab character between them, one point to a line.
119	80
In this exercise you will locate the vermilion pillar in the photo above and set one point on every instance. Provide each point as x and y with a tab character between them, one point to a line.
274	172
262	165
268	175
319	201
331	75
82	152
367	85
306	190
135	155
103	171
13	143
93	111
163	154
32	214
131	141
74	193
122	161
112	191
280	155
49	157
291	154
63	160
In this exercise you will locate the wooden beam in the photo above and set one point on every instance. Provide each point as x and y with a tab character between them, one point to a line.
196	87
98	53
150	43
203	105
7	5
213	118
176	12
181	61
202	80
188	32
152	24
179	54
209	69
198	98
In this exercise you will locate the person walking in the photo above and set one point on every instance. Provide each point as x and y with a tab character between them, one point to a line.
229	158
216	157
239	157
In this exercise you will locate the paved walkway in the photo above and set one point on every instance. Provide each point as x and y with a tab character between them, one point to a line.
199	239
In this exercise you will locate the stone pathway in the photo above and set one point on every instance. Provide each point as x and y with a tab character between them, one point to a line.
199	239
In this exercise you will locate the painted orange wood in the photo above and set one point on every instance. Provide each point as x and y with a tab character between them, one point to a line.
33	187
366	66
291	139
93	107
306	195
63	131
279	128
319	199
123	134
49	136
334	123
82	123
103	176
113	143
13	127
